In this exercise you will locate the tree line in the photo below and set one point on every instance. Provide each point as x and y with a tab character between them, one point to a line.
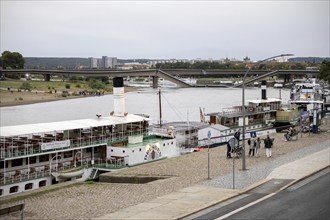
15	60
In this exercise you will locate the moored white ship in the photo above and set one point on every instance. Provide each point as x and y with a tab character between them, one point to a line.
38	155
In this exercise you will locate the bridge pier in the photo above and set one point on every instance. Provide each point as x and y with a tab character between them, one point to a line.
47	77
155	82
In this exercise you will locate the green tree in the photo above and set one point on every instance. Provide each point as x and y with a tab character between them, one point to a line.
325	71
12	60
95	84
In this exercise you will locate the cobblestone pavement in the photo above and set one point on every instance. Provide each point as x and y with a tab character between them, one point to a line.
260	171
87	201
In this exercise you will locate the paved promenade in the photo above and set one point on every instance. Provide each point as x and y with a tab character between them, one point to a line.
192	199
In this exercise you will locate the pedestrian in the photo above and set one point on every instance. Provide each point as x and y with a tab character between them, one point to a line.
288	134
268	145
258	143
251	143
228	151
237	134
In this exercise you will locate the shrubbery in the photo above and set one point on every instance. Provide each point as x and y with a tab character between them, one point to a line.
26	86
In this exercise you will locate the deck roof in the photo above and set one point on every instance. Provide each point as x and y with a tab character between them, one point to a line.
18	130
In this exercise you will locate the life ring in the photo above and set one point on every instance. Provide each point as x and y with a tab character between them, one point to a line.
250	109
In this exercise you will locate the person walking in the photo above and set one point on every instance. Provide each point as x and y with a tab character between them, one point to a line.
237	134
258	143
251	143
268	146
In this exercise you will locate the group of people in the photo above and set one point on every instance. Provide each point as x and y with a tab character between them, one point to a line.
254	145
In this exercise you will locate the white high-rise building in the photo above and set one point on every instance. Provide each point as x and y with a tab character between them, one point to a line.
92	62
105	62
109	62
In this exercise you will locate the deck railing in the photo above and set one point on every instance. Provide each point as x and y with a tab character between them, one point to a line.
11	150
31	173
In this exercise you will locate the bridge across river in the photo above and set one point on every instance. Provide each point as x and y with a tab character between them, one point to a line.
172	75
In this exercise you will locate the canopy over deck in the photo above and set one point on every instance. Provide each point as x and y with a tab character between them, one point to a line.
19	130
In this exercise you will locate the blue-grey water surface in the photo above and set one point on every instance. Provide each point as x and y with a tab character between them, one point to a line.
178	104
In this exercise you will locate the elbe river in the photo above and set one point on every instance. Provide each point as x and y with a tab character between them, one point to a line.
178	104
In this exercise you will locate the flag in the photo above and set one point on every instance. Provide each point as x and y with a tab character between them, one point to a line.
202	115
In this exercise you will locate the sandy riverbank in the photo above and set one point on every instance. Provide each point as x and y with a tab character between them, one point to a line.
14	98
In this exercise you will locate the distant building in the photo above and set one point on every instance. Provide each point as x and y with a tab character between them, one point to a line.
92	62
109	62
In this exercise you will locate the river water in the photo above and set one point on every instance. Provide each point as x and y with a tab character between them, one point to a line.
178	104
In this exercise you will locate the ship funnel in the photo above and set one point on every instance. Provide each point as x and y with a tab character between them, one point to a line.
118	96
263	90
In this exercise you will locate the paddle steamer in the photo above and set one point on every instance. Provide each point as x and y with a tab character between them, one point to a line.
39	155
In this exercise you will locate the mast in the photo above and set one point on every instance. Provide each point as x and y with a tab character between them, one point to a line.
160	108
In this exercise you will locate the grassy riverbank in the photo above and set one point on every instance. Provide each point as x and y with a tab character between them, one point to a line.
11	92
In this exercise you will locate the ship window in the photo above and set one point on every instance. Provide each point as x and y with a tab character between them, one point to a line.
111	150
2	164
132	151
30	160
123	151
172	142
164	144
42	183
17	162
43	158
28	186
13	189
67	154
1	191
140	149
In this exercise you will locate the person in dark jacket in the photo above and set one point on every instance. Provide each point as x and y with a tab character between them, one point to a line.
268	145
237	134
228	151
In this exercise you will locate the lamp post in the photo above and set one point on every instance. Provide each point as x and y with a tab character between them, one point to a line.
243	103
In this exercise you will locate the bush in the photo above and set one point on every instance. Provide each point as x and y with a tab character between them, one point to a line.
73	79
78	86
94	84
67	86
26	86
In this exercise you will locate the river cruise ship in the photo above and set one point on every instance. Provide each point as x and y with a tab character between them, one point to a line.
39	155
307	93
260	115
310	98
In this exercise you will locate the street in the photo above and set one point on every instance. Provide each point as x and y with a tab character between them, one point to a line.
307	199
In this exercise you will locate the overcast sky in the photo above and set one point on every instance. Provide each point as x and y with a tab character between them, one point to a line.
166	29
